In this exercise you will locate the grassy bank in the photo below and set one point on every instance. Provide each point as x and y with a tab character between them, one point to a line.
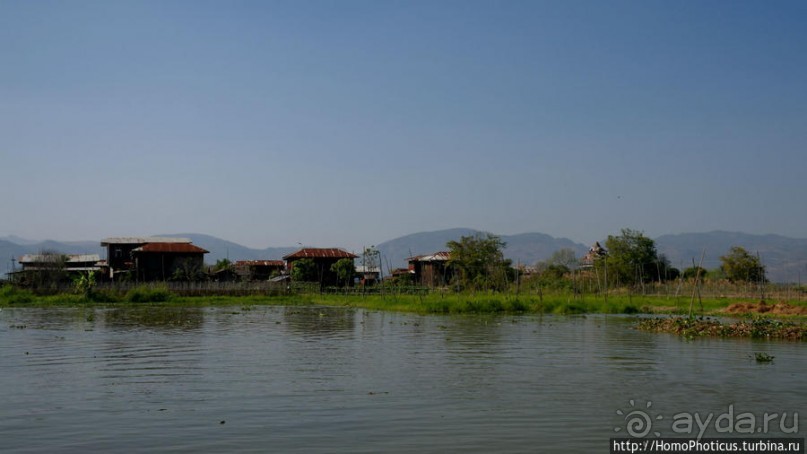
432	303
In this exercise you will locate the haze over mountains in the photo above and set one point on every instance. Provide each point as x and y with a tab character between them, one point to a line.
785	258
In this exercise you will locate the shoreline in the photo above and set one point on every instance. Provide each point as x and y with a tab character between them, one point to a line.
780	320
435	302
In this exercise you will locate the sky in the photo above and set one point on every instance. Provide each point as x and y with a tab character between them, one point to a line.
349	123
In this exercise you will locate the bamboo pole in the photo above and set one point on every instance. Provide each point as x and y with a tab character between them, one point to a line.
697	284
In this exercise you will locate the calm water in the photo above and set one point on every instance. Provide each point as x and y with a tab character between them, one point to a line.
274	379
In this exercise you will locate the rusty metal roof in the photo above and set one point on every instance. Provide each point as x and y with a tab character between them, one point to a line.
173	248
320	253
260	263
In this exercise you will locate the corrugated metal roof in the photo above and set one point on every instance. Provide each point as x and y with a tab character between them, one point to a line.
320	253
68	269
175	248
142	240
442	256
368	269
71	258
260	263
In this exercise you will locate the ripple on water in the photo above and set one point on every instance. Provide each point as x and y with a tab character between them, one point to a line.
344	380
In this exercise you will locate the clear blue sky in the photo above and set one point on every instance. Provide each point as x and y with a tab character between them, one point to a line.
347	123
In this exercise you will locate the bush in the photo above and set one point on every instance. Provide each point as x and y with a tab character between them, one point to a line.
104	296
13	295
148	295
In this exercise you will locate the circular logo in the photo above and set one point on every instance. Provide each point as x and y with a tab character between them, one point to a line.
638	423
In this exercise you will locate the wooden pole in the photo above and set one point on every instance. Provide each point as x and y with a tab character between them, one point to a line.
696	287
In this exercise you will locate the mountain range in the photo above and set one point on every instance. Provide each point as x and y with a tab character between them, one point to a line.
784	257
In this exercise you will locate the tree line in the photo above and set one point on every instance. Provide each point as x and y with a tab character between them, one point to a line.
629	259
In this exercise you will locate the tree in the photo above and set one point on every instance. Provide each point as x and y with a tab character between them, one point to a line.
304	270
740	266
371	258
50	270
187	269
371	263
553	271
693	271
344	269
563	257
632	258
480	262
85	283
223	264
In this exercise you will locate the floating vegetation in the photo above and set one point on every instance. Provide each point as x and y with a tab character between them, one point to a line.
760	328
763	357
156	317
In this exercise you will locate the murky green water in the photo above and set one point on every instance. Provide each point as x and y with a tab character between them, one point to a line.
315	379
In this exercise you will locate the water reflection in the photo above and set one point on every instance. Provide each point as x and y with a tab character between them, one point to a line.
319	321
318	379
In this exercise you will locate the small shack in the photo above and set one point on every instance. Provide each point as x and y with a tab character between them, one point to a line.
368	275
259	270
323	259
431	270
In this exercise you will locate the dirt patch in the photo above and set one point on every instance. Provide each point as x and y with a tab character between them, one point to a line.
764	308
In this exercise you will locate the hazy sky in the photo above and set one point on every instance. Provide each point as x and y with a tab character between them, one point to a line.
345	123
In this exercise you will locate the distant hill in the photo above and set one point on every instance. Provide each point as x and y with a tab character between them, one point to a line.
220	249
395	252
529	248
17	240
784	257
525	248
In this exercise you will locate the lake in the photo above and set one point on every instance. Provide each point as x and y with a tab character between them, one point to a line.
322	379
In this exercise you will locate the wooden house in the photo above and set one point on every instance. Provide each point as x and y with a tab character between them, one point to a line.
152	258
323	259
166	261
55	268
431	270
259	270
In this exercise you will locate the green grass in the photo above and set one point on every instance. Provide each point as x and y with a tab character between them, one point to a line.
14	296
480	303
144	294
560	302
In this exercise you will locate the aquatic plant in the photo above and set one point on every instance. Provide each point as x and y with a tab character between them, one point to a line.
762	357
698	327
